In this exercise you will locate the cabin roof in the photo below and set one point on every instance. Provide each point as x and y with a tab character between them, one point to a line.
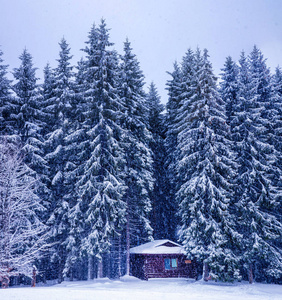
158	247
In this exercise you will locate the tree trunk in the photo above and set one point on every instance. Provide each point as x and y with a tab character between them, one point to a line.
90	268
44	277
100	269
127	246
71	274
251	276
206	272
109	263
33	281
119	256
60	273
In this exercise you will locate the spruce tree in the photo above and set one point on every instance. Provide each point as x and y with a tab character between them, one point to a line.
172	106
174	91
47	90
5	99
27	95
101	188
163	211
77	140
277	142
277	102
255	200
29	119
59	158
138	172
29	122
48	93
229	88
204	166
185	99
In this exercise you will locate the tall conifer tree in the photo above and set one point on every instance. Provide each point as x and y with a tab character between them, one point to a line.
163	210
101	187
172	106
5	99
58	156
78	146
229	88
204	166
29	119
138	172
277	141
255	201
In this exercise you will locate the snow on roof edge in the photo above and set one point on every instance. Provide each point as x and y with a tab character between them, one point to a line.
156	247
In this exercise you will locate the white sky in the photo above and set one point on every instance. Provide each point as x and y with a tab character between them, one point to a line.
160	31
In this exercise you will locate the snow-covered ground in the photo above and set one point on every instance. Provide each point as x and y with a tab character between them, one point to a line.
129	288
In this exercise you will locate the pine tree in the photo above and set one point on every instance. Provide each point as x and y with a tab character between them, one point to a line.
59	157
77	152
204	166
255	201
138	172
28	117
48	93
229	88
277	102
185	99
163	212
27	95
47	89
277	143
180	92
174	91
172	106
101	187
5	99
28	121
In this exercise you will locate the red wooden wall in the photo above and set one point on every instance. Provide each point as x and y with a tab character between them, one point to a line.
145	266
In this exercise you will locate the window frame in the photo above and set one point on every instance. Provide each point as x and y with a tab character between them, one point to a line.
172	263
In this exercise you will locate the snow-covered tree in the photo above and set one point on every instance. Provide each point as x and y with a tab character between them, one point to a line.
189	71
277	141
28	116
78	146
229	87
277	102
138	172
22	234
27	96
205	167
28	121
174	91
47	91
255	194
59	156
101	188
172	106
5	99
163	211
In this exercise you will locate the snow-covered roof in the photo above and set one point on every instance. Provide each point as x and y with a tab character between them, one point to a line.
158	247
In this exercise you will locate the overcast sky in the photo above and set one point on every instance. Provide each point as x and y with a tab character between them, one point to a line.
160	31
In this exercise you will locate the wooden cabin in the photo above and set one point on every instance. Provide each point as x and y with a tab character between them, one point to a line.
161	259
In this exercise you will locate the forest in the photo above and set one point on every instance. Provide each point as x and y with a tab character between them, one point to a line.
92	164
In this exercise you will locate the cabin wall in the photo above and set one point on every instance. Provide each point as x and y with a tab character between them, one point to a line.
145	266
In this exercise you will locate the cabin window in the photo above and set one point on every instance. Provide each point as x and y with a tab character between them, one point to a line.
170	263
174	263
167	263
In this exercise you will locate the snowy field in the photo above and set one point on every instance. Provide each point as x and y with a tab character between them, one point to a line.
134	289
